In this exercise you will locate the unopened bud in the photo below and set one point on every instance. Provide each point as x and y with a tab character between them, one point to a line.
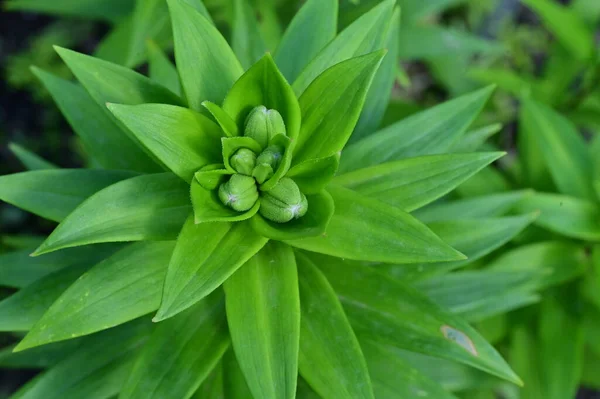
243	161
267	163
262	173
239	193
262	124
284	202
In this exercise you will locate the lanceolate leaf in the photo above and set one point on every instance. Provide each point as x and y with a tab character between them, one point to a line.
473	140
429	132
113	148
109	10
332	104
392	313
95	371
246	38
565	215
149	22
266	341
38	358
123	287
313	175
313	26
205	256
330	356
234	382
564	150
29	159
414	182
53	194
181	353
149	207
22	310
381	88
365	35
182	139
366	229
161	69
206	64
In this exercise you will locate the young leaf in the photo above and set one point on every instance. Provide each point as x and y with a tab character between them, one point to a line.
564	150
474	238
429	132
161	69
313	26
222	118
369	230
205	256
330	356
206	64
149	207
381	88
332	104
180	353
123	287
365	35
22	310
108	10
390	312
182	139
113	149
96	371
565	215
246	40
313	175
54	193
266	341
486	206
263	84
29	159
411	183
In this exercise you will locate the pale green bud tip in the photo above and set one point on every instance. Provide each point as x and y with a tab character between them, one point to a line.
239	193
284	202
263	124
243	161
262	173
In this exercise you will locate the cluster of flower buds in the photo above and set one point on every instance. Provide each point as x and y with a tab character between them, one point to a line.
284	201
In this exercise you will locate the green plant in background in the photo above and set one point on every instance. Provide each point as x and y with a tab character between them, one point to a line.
221	209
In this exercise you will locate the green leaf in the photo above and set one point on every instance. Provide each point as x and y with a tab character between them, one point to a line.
474	238
95	371
393	377
429	132
18	269
114	47
330	359
206	64
113	149
561	261
565	215
161	70
108	10
313	175
180	354
205	256
563	149
313	26
412	183
234	382
366	229
182	139
266	341
222	118
29	159
570	30
485	206
390	312
38	358
149	207
149	21
474	140
213	385
263	84
121	288
246	40
54	193
383	83
22	310
208	207
365	35
416	10
332	104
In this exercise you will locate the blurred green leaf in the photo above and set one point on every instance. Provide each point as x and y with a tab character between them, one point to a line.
29	159
38	358
161	69
475	139
109	10
246	39
234	382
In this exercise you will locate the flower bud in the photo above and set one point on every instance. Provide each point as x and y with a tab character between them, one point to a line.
284	202
262	173
263	124
243	161
239	193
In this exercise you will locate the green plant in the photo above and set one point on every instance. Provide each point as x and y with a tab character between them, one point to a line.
315	252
